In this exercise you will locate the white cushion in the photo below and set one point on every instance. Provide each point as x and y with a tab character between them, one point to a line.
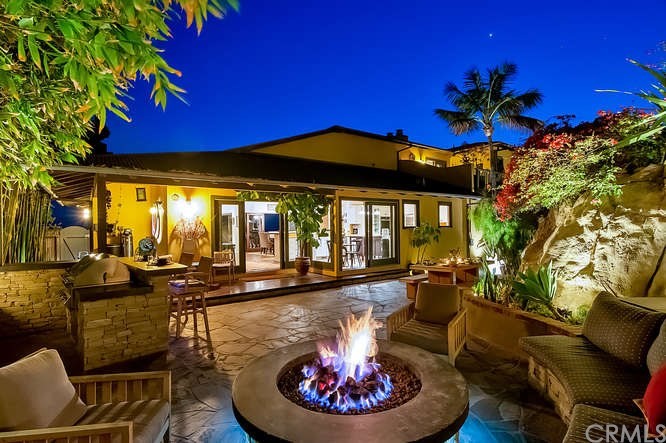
36	393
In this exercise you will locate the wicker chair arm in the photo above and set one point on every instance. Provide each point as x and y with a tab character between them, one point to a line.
119	431
133	386
399	318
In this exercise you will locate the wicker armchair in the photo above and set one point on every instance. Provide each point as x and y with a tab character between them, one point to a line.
434	322
117	407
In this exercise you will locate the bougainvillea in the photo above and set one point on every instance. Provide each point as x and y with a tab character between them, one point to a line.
561	162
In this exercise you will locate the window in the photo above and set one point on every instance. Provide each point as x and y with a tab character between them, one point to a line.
435	163
444	212
410	214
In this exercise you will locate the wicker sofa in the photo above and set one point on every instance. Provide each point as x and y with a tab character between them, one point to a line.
607	367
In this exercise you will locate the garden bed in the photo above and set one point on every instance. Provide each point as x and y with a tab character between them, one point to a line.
501	327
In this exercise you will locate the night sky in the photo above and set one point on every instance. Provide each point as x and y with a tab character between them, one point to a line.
278	69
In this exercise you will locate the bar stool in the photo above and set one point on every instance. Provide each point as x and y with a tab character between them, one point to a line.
192	285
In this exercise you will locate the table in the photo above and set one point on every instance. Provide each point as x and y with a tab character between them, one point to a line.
447	274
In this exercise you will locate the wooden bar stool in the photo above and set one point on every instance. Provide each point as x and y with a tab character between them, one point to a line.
187	295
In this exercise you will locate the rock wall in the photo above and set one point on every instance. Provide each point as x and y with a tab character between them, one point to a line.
30	302
620	243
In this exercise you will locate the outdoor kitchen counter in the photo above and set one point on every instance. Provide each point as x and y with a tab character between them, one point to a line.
120	323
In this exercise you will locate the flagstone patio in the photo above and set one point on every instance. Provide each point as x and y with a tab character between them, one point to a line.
502	406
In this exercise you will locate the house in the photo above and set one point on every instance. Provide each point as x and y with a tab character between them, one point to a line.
381	185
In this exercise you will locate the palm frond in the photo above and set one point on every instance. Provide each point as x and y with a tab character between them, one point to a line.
459	122
521	122
529	98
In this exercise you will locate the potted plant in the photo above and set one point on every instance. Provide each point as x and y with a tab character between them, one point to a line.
306	211
422	237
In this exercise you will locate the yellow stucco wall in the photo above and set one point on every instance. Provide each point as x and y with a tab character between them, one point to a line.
423	154
127	212
200	199
480	155
341	148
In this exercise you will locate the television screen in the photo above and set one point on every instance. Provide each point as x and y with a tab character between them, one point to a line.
271	222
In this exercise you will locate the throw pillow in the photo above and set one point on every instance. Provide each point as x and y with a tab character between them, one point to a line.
36	393
622	329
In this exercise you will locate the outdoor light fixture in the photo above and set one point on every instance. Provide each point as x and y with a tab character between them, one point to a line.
86	213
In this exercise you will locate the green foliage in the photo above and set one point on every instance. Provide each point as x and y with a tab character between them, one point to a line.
422	237
651	124
577	317
538	287
61	63
306	210
503	239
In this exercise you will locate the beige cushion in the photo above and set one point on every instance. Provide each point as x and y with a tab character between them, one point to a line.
36	393
437	303
621	329
656	356
432	337
149	417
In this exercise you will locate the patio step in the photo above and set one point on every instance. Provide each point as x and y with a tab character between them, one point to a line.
258	289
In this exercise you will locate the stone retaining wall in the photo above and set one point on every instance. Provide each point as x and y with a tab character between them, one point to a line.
29	302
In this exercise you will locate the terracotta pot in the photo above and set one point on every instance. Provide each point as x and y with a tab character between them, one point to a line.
302	265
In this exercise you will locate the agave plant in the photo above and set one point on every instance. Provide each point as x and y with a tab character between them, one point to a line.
538	287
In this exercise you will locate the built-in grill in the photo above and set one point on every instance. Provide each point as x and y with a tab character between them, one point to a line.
96	270
92	277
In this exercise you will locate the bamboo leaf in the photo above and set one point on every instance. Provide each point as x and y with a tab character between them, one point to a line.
34	51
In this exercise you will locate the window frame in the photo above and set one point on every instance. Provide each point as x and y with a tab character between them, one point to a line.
417	221
439	220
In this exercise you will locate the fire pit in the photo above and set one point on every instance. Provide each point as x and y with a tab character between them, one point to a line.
352	389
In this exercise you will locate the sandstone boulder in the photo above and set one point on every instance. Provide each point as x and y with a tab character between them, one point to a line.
618	244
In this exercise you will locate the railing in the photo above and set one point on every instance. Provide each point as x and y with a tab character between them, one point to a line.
482	178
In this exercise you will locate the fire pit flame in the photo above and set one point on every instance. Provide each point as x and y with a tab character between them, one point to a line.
345	375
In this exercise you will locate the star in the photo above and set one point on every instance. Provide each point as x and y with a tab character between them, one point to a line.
491	35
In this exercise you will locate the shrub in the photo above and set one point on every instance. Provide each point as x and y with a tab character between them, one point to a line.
538	287
561	162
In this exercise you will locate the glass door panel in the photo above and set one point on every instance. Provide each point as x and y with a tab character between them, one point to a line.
382	234
354	243
228	230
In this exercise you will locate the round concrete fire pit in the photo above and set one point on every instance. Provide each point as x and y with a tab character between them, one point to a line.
435	414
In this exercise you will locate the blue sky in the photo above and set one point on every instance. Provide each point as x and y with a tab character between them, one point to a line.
277	69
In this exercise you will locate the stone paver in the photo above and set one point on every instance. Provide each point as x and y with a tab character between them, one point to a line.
502	407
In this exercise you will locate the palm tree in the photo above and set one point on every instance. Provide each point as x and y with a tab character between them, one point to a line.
483	102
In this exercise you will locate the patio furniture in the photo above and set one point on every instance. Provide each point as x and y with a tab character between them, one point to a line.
608	366
357	255
192	285
225	260
266	243
449	274
38	402
412	283
435	322
589	423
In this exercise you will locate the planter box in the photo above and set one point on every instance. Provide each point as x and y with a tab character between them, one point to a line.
501	327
